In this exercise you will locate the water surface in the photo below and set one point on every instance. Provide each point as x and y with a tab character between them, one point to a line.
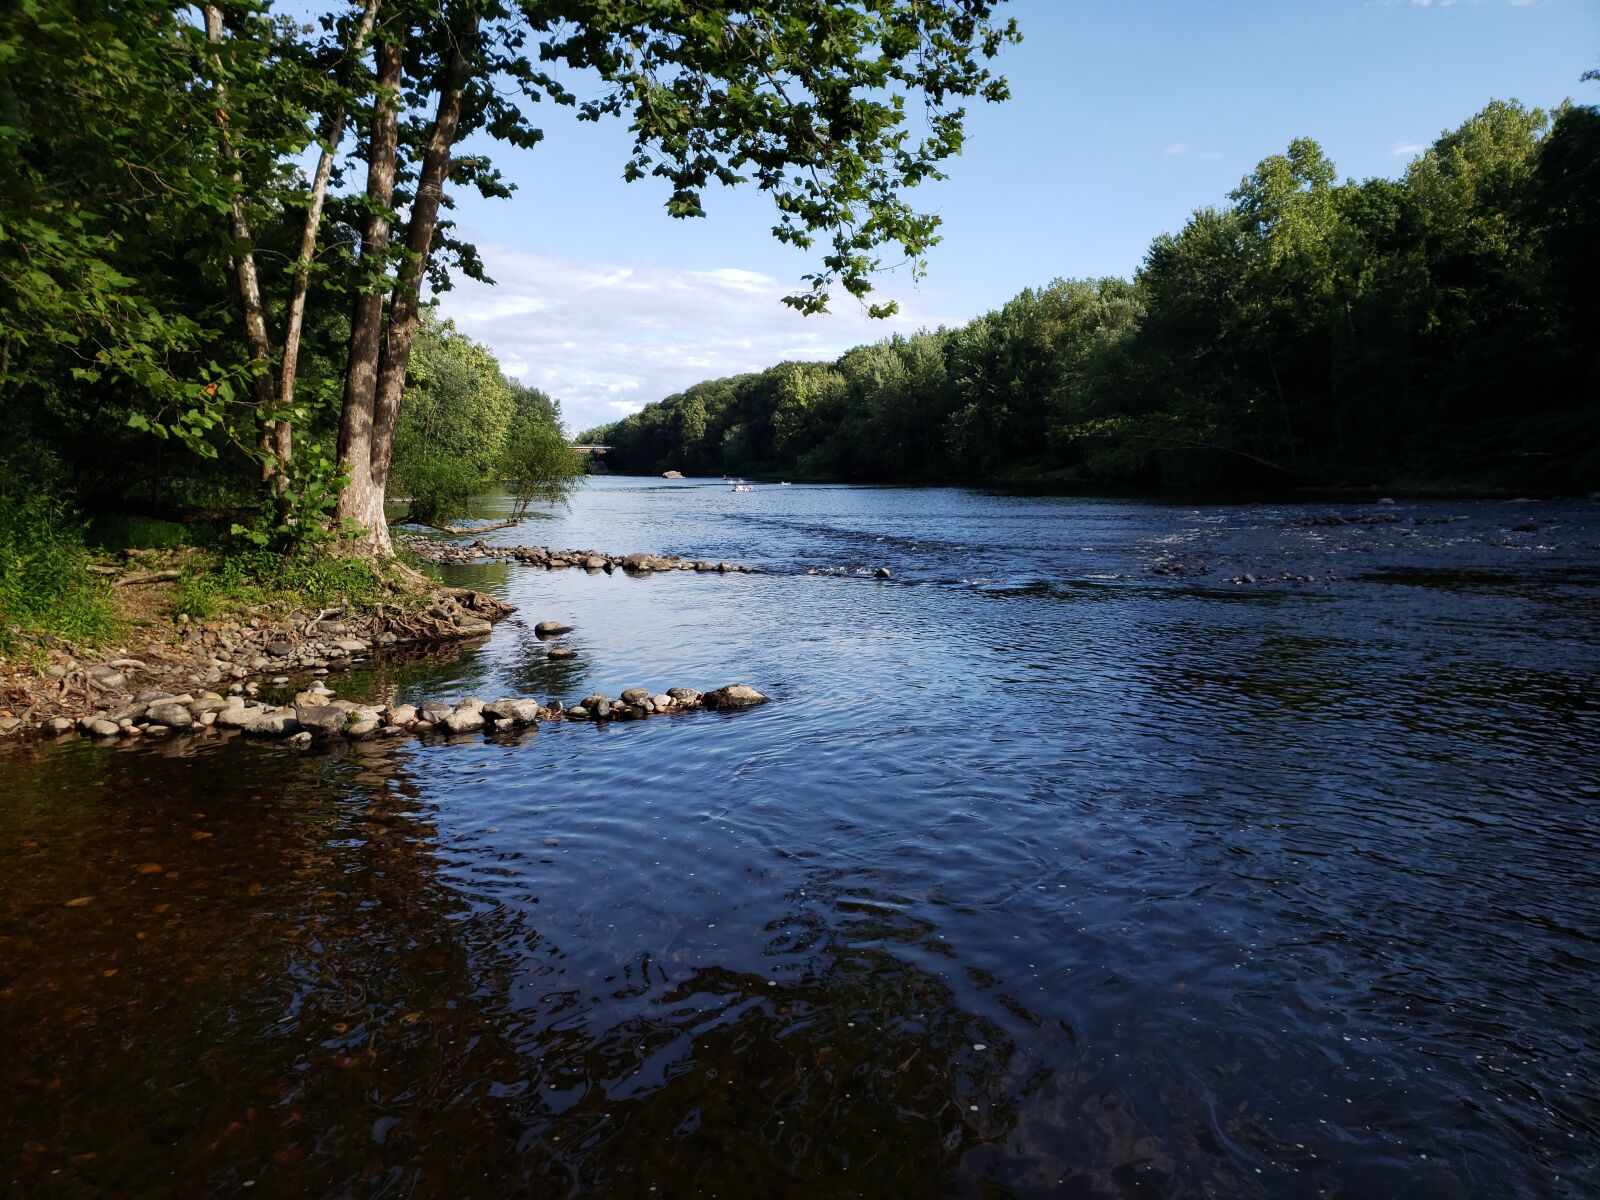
1052	870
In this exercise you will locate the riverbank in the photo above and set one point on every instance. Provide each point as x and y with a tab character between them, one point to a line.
51	684
173	671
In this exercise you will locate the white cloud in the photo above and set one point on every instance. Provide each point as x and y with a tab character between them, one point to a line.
608	338
1176	148
1407	149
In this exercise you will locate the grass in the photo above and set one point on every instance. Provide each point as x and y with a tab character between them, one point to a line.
46	587
213	585
48	592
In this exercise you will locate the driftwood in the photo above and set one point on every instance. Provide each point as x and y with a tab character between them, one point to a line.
460	530
137	577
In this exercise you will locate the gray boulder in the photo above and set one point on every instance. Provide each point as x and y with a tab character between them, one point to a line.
684	695
518	712
98	727
736	695
320	719
171	714
275	724
401	714
550	629
237	716
464	720
635	694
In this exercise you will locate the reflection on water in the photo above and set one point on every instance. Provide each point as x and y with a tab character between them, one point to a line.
1048	874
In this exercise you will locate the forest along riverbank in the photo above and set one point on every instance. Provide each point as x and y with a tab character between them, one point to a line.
170	684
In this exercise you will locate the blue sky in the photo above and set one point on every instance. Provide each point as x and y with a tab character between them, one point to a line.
1126	116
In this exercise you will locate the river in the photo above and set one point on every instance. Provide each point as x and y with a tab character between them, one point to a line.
1051	870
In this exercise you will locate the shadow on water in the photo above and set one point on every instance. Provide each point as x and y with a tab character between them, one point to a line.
274	985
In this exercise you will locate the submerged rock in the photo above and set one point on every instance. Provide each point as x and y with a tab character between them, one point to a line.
550	629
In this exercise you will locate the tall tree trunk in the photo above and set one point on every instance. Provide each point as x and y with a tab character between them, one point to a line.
244	267
283	444
361	499
405	307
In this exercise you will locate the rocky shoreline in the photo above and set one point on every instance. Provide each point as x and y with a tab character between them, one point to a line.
235	656
436	550
317	715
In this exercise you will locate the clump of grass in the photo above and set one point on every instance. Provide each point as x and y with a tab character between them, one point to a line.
245	579
46	587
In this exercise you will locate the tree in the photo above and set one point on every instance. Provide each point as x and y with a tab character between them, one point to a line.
806	98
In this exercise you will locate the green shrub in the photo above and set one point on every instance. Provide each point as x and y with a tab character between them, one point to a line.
46	586
247	578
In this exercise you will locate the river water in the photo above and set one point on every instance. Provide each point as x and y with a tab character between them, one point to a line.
1051	870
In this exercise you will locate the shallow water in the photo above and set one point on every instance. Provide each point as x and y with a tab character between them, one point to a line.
1049	872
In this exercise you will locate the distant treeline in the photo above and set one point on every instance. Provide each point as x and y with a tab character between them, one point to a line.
1439	329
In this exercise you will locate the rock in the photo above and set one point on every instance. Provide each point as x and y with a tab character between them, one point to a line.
401	714
108	677
362	728
472	626
736	695
600	708
672	474
596	563
635	694
436	710
322	719
471	702
152	697
561	653
352	645
577	713
518	712
550	629
684	695
662	703
881	573
300	740
98	727
464	720
278	724
58	725
171	714
238	716
280	648
724	567
638	562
